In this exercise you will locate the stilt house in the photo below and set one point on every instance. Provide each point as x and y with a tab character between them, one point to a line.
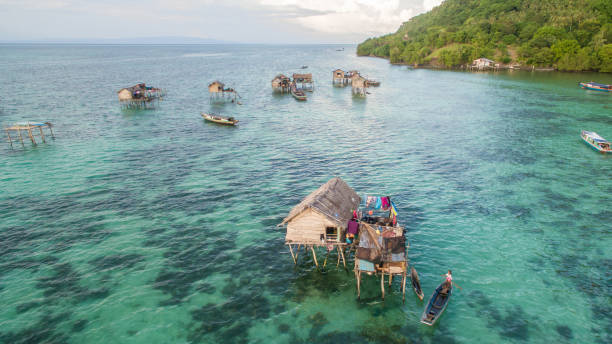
218	92
340	77
139	96
303	82
281	83
359	85
321	218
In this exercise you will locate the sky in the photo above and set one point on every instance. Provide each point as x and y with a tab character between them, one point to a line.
241	21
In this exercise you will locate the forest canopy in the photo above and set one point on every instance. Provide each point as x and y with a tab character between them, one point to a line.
569	35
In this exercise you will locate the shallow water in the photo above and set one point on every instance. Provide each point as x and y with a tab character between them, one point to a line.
156	227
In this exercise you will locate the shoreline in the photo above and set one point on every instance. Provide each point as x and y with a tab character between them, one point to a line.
489	69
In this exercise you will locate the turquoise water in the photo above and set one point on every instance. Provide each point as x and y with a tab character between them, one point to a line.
157	227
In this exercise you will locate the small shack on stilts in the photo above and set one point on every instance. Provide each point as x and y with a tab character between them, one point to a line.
281	84
382	246
303	82
31	128
359	85
139	96
321	219
217	92
340	77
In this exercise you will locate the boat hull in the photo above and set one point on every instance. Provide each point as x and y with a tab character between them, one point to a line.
219	120
593	88
595	148
298	96
436	306
416	283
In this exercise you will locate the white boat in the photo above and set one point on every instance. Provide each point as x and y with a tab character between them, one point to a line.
596	142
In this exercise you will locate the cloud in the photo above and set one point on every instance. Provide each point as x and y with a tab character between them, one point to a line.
429	4
35	4
371	17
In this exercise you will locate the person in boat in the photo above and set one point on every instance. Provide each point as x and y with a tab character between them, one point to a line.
449	282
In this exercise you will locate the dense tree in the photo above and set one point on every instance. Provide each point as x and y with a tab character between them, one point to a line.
565	34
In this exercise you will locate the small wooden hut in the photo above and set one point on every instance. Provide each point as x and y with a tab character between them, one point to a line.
303	82
340	77
359	85
281	84
321	218
139	96
219	93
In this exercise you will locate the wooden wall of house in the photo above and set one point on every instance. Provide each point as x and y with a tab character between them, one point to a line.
308	227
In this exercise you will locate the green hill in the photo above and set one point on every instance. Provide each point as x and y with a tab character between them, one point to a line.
571	35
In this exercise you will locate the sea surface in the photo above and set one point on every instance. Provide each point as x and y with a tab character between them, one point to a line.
154	226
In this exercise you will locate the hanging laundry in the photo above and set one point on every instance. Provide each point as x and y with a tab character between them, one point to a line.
384	203
378	203
370	201
353	227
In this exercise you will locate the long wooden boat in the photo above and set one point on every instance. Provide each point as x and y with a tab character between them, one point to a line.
373	83
218	119
416	283
298	94
436	305
596	86
596	142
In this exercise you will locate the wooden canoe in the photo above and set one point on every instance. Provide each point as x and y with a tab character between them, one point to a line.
436	305
416	283
298	94
219	120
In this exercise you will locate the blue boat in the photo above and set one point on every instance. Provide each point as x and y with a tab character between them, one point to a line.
596	142
437	303
596	86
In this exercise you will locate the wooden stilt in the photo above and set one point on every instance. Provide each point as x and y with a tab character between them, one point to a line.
42	135
20	137
31	136
342	255
404	287
51	130
358	273
314	255
338	249
297	252
390	279
292	255
382	284
325	261
8	133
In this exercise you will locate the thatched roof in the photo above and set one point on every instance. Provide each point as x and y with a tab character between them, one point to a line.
334	199
217	82
281	77
306	77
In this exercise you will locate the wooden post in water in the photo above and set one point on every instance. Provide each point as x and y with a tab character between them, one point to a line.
42	136
8	133
358	276
342	255
314	255
382	284
30	135
20	137
404	287
292	255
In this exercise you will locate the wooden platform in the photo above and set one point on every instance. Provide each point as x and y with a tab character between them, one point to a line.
31	128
